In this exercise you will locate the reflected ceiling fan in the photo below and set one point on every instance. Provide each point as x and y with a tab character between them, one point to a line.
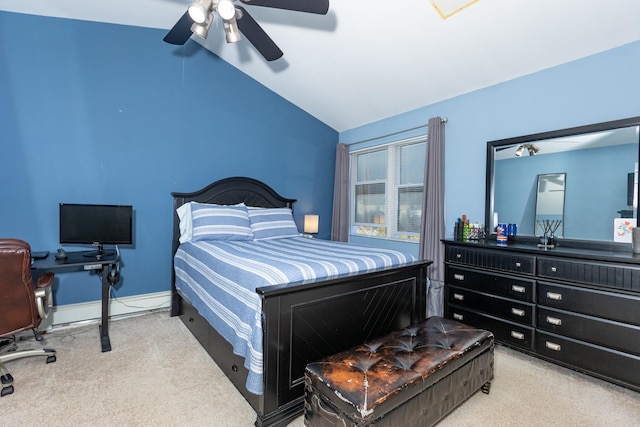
235	19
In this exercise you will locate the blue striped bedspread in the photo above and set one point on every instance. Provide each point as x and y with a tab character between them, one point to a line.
220	280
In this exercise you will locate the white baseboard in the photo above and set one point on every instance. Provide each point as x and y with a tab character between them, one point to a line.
92	310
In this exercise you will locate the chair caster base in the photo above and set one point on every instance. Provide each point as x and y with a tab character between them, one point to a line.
6	379
51	359
6	391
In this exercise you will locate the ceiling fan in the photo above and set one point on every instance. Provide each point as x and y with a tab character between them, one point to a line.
235	20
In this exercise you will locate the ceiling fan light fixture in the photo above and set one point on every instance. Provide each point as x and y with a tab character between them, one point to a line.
202	30
446	8
231	31
531	149
200	10
200	14
226	10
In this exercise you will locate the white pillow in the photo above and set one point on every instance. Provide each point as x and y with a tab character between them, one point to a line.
204	221
186	225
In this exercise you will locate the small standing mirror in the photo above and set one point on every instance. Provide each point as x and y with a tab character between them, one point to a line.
550	205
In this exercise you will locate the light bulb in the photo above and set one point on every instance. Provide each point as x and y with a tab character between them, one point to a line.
198	13
226	9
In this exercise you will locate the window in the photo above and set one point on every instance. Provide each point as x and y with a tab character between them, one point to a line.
387	188
369	192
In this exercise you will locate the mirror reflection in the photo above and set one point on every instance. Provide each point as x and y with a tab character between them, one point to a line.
550	205
584	177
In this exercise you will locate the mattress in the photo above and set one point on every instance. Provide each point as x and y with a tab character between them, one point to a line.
220	279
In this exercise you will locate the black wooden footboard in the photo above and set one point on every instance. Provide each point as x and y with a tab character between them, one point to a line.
307	322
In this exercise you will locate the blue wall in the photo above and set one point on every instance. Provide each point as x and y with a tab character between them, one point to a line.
598	88
100	113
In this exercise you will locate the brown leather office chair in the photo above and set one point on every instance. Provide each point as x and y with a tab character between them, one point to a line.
23	305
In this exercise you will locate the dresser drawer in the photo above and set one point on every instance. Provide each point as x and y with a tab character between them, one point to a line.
491	259
590	273
608	333
502	307
504	331
598	303
497	284
590	358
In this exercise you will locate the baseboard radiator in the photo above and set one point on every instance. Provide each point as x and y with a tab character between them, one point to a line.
71	314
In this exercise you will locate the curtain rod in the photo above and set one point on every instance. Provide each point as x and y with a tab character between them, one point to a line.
443	120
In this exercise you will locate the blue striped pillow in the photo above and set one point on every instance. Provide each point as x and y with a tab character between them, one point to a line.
272	223
217	222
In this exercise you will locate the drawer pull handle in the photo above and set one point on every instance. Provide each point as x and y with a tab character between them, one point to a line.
458	276
458	256
459	297
518	288
458	316
517	312
553	346
517	335
554	295
518	264
553	269
554	321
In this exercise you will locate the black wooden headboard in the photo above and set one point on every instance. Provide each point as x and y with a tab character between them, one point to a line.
227	191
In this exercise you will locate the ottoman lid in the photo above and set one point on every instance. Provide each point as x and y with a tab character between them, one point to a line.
385	372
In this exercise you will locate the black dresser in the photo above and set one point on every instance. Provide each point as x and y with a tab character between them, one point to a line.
578	308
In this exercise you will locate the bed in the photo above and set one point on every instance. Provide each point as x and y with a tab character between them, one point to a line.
300	318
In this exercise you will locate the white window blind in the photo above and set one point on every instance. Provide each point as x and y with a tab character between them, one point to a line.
387	190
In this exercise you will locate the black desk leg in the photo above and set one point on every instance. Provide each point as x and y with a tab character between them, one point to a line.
104	324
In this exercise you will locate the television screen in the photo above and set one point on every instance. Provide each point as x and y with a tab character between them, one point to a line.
96	224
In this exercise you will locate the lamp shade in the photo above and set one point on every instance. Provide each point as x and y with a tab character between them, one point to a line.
201	30
231	31
311	223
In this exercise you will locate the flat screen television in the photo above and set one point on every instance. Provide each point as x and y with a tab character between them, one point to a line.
96	225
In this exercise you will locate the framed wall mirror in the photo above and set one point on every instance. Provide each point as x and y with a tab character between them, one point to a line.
596	167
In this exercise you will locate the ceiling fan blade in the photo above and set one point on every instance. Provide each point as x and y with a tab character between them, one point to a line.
180	32
257	37
320	7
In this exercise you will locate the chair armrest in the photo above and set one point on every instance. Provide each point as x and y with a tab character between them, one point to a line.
44	280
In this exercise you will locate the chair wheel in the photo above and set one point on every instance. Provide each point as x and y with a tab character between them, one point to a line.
6	390
486	388
51	359
6	379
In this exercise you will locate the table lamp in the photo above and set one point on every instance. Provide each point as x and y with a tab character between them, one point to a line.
310	225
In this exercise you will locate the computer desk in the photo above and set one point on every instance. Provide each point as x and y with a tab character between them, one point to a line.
77	261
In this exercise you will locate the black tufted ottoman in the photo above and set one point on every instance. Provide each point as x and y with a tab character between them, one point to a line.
411	377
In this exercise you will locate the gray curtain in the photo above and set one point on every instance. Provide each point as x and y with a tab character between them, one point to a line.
432	226
340	217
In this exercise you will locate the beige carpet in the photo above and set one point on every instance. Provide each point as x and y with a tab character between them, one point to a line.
158	375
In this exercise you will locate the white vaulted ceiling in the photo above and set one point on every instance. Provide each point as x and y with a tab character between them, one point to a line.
370	59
